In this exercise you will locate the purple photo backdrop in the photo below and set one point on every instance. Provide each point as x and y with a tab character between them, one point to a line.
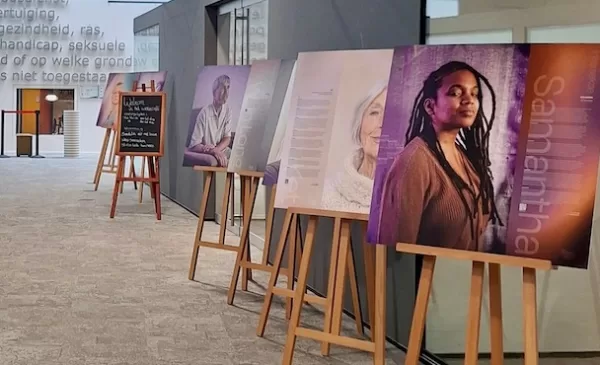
203	95
505	66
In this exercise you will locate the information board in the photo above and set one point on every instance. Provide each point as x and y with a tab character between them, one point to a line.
140	124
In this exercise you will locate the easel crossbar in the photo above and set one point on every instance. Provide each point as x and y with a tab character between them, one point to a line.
140	179
321	213
288	293
489	258
353	343
217	246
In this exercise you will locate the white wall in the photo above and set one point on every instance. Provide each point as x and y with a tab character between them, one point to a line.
442	8
114	22
568	299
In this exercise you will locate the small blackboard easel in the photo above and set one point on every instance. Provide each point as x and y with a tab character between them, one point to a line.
140	130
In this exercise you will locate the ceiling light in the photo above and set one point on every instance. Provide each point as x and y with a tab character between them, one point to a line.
51	98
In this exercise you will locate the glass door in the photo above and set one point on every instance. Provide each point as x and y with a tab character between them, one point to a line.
241	39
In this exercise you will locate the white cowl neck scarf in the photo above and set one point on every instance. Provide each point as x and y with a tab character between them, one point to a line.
349	190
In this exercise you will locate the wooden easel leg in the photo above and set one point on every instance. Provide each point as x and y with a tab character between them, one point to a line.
530	317
354	291
269	225
156	187
244	241
420	312
142	174
112	157
101	159
122	159
292	250
340	278
379	304
118	183
496	332
331	289
225	207
251	183
369	258
132	171
288	222
149	162
474	314
208	176
290	343
246	185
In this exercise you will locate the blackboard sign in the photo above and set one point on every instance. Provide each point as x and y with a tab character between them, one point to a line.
140	124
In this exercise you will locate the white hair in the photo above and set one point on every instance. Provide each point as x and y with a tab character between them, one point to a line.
220	81
362	107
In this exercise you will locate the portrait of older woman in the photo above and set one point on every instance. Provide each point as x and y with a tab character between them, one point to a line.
438	190
352	188
108	110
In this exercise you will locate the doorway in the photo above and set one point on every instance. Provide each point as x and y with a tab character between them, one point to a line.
242	30
50	102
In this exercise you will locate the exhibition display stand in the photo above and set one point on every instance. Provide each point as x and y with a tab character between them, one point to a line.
107	161
341	264
250	180
293	240
140	133
209	175
479	261
110	166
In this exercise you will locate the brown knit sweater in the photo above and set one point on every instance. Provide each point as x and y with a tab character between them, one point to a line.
421	205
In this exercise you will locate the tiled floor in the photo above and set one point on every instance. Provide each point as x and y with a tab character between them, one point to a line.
77	287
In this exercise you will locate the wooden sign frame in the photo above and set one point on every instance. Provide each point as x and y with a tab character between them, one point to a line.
152	159
161	142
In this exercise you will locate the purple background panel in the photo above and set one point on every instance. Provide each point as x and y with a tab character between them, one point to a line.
204	96
107	113
505	66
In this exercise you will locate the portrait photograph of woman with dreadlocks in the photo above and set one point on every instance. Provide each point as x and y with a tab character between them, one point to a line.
448	141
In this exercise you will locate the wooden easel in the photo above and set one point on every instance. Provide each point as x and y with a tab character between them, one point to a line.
152	159
153	179
110	166
479	260
110	138
250	182
209	174
144	158
341	264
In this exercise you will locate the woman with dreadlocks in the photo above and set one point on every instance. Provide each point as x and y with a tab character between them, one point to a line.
439	191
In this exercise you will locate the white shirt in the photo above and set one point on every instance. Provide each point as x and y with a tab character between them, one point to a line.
211	127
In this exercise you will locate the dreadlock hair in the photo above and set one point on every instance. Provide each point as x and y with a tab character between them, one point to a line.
473	141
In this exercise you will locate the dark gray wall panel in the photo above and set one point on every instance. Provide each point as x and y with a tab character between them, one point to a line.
183	37
321	25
